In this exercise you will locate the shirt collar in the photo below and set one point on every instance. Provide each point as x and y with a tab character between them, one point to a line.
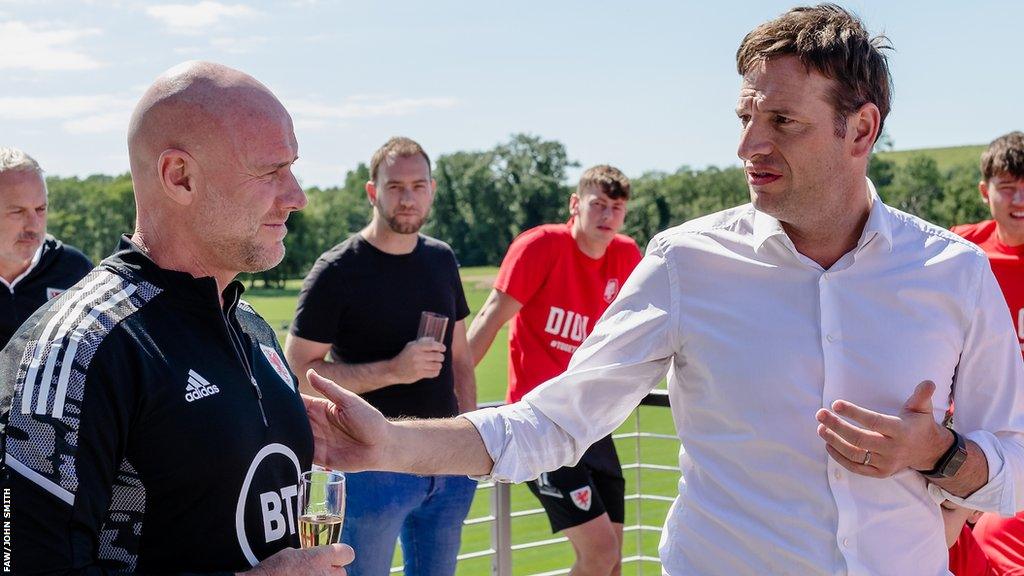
879	224
765	227
31	266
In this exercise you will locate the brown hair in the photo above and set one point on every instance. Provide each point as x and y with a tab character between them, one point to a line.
396	147
608	179
1005	155
833	42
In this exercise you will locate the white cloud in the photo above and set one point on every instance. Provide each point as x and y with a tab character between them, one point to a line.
310	124
89	114
239	45
51	107
106	122
188	50
309	112
196	18
43	47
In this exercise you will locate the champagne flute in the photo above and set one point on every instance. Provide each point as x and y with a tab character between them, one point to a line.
321	507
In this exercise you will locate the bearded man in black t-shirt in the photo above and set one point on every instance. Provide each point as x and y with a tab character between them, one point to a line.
356	323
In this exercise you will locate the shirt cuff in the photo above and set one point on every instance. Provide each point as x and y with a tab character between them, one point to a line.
522	442
997	494
494	432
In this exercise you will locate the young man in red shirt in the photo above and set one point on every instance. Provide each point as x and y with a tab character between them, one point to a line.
1002	239
554	283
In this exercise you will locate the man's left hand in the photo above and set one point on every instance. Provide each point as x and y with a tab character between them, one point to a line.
883	444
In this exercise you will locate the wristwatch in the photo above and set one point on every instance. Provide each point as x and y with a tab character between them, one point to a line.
950	462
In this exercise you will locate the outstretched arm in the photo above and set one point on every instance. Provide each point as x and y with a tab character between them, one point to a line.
351	435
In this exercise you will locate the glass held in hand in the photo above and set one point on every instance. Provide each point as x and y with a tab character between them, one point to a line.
321	507
432	326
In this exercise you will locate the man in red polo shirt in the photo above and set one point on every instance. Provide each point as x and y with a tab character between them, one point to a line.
554	283
1002	238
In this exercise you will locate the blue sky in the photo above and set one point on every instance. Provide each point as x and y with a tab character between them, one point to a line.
641	85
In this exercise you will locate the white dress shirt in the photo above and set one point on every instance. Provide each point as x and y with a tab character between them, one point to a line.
755	338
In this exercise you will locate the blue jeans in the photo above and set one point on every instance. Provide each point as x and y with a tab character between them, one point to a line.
425	511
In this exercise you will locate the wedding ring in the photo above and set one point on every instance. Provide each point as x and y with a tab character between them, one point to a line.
867	458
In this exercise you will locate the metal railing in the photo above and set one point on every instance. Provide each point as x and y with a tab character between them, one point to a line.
500	515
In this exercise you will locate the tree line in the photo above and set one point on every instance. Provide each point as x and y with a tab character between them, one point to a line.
485	198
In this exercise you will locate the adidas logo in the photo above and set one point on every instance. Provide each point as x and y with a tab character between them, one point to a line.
198	387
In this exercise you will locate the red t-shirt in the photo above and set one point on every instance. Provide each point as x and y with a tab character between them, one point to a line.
563	292
1007	264
966	558
1002	541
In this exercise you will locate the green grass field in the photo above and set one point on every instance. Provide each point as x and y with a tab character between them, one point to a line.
944	157
278	307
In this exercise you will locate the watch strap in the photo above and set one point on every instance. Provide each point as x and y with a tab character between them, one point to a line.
950	461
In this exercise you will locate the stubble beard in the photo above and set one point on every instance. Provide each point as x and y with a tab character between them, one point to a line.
256	258
406	227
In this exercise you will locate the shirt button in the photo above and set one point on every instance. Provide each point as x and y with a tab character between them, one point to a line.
830	338
846	542
838	474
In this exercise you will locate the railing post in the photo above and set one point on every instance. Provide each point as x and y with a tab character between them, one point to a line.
501	530
639	495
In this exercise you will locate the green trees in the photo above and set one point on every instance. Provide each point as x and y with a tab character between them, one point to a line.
91	214
485	198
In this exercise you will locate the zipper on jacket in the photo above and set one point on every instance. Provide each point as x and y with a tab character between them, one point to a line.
240	353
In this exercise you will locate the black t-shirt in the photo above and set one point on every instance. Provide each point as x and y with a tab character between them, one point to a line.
367	305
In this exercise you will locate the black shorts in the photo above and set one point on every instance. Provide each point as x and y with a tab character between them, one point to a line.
576	494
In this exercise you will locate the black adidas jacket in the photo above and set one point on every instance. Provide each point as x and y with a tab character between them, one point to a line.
149	430
59	267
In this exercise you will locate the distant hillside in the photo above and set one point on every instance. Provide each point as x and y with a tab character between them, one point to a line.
944	157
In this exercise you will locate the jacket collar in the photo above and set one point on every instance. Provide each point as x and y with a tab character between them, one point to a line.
131	260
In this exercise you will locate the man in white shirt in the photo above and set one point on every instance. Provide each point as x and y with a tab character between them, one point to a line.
811	339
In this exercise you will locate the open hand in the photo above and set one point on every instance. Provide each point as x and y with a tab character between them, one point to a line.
348	433
883	444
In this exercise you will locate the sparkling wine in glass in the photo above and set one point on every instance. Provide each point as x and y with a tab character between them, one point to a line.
321	507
